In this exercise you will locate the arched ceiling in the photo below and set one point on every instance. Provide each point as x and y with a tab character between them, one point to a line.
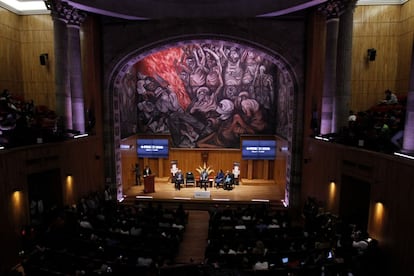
142	9
151	9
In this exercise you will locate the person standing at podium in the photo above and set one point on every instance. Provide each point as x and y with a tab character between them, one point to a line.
147	171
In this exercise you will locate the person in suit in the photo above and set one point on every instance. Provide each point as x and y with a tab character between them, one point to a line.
204	179
179	179
219	178
228	180
147	171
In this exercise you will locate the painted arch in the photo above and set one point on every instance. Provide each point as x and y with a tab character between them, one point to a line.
204	93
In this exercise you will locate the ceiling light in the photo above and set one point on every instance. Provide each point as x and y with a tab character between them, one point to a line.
25	7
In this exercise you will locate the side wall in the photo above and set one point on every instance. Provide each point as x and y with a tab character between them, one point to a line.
388	29
390	180
24	39
81	159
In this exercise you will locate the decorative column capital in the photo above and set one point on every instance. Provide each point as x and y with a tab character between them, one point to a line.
61	10
334	8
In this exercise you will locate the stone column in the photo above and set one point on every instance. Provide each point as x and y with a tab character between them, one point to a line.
408	140
75	18
62	83
331	10
344	68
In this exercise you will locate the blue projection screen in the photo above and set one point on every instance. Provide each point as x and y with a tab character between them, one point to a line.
258	149
152	148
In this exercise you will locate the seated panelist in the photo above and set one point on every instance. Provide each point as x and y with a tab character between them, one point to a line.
179	179
219	178
228	180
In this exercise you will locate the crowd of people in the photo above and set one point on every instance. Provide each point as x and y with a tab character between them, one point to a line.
23	123
98	236
260	239
380	128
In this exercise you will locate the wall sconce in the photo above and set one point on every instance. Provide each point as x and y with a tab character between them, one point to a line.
80	135
44	59
372	53
15	190
307	160
124	146
283	148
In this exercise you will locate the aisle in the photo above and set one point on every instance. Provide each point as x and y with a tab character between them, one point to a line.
195	238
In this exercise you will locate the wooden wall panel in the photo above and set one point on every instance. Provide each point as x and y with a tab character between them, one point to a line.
91	65
388	29
191	159
405	47
36	36
24	38
76	157
10	59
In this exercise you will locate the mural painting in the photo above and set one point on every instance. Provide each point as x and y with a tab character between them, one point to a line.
204	95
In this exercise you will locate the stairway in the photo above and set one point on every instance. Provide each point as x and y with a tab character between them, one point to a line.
193	245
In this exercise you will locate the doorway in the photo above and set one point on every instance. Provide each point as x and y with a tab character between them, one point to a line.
45	194
354	201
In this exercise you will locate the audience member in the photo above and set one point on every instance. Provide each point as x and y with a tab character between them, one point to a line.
390	97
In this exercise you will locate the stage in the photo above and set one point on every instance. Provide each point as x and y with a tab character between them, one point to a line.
248	191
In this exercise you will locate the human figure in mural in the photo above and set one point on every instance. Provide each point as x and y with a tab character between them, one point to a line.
207	73
128	102
148	110
185	129
283	102
263	88
233	72
167	100
252	115
199	73
192	69
228	128
184	75
231	92
146	114
251	62
243	95
206	101
215	69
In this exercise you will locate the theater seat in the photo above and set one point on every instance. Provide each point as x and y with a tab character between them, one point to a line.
189	179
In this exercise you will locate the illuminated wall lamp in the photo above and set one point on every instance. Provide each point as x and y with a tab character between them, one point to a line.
1	147
80	135
404	155
123	146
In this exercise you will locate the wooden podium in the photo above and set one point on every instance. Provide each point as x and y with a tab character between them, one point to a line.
149	184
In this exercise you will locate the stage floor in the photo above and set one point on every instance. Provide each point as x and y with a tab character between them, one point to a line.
247	191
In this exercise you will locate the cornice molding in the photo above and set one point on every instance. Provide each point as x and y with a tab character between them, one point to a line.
380	2
32	7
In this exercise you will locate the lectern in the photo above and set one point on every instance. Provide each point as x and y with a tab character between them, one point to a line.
149	184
